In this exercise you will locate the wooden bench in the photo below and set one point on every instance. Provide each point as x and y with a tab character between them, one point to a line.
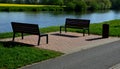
76	23
27	28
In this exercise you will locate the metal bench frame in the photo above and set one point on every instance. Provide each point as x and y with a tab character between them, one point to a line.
27	28
76	23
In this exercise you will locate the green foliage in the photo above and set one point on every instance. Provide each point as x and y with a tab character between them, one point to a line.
76	5
115	4
80	5
93	5
98	4
73	5
70	6
52	2
17	8
107	4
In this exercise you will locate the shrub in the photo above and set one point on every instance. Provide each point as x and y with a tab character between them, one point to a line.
70	6
80	6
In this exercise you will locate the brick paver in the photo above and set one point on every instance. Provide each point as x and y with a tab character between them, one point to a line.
66	42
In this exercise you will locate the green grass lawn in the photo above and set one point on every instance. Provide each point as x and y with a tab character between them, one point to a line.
15	55
114	28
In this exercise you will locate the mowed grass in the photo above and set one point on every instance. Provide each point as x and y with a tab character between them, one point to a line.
15	55
114	28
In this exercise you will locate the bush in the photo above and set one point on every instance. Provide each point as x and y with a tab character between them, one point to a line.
71	6
76	6
93	6
80	6
31	8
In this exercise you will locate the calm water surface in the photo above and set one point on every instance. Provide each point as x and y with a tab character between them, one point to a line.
45	19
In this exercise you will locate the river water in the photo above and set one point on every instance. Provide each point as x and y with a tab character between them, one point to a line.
46	19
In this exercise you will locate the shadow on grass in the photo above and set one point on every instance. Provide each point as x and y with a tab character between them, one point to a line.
10	44
99	38
65	35
118	26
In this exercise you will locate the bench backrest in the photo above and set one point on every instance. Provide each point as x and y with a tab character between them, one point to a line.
77	23
25	28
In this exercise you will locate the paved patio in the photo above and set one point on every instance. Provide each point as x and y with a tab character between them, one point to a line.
66	42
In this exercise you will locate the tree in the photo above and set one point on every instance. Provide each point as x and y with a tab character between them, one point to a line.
6	1
108	3
1	1
71	6
92	4
104	4
44	1
20	1
76	5
80	5
98	4
115	4
60	2
9	1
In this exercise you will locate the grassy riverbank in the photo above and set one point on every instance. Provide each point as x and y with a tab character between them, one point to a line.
114	28
26	7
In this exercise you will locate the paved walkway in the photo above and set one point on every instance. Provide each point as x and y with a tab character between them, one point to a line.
66	42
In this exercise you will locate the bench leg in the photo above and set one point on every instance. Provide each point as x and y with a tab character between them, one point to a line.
65	29
60	29
88	32
13	36
47	39
83	32
39	40
22	35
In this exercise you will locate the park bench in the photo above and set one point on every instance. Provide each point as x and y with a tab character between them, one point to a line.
76	23
28	29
